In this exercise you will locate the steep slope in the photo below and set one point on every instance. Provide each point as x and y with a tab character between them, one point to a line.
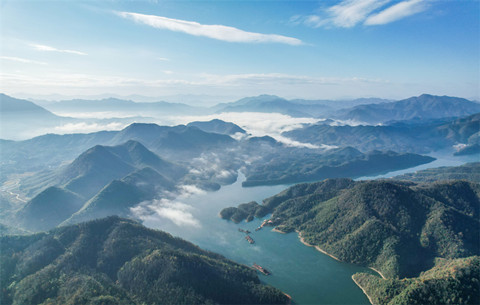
119	196
18	108
395	227
423	107
118	261
20	117
93	169
453	281
48	209
177	142
99	165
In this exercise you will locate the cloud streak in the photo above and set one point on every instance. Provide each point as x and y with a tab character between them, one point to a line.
350	13
22	60
41	47
397	12
218	32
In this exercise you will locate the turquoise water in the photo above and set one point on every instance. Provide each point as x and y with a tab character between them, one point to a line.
307	275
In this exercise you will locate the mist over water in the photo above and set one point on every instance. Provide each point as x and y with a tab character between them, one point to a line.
309	276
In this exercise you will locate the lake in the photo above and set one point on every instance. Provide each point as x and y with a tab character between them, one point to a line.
307	275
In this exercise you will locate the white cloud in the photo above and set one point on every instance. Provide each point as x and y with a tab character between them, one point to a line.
219	32
397	12
22	60
349	13
259	124
41	47
83	127
175	211
346	14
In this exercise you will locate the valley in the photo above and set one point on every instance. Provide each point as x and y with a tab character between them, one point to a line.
181	178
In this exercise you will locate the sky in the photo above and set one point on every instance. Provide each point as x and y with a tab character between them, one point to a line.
232	49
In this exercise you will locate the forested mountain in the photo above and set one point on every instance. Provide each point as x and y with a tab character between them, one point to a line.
119	196
303	166
99	165
451	281
118	261
114	178
469	171
423	107
426	232
396	227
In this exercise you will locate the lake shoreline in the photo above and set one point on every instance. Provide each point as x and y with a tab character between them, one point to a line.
364	292
302	240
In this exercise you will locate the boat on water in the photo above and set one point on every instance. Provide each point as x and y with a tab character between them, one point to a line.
249	239
261	269
243	231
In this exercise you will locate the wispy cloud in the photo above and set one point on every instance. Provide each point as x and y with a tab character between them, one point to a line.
397	12
22	60
349	13
175	211
219	32
41	47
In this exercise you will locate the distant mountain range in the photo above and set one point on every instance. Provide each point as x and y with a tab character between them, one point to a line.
118	261
19	116
120	105
421	107
24	118
218	126
419	137
108	180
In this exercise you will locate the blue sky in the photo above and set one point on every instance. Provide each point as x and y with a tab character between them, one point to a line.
304	49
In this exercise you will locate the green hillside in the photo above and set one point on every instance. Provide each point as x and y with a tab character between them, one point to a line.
469	171
118	261
396	227
454	281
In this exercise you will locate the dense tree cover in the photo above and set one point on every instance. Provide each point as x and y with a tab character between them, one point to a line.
420	231
450	281
469	171
396	227
244	211
303	166
118	261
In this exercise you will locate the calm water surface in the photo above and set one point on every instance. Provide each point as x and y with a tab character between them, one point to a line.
307	275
